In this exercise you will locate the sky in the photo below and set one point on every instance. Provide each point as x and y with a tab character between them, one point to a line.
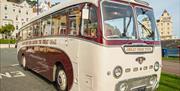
172	6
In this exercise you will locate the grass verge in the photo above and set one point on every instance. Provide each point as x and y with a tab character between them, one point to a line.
170	58
169	82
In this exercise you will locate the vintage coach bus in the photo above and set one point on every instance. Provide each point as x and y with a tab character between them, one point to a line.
94	45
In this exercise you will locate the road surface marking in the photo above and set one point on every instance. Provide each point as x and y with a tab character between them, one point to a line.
15	65
13	74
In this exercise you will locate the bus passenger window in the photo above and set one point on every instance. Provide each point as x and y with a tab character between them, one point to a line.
24	34
90	25
55	24
36	28
74	21
46	26
59	23
28	32
20	35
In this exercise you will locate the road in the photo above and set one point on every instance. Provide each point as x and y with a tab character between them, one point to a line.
14	78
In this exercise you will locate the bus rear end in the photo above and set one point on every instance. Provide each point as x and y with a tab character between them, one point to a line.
131	54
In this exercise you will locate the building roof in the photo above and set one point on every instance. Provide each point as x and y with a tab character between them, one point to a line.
165	11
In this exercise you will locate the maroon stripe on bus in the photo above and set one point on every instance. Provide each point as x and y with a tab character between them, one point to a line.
121	42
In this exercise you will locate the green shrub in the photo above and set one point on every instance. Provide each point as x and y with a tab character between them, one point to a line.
7	41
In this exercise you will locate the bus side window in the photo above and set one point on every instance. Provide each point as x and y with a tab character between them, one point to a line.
55	22
20	36
74	20
90	25
46	26
59	23
36	28
24	33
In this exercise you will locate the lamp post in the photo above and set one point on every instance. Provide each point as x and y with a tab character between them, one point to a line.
37	7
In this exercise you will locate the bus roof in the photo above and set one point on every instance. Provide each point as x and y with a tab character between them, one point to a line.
74	2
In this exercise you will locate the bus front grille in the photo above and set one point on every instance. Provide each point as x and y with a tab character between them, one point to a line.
137	84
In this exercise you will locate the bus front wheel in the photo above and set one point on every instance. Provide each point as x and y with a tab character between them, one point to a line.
61	79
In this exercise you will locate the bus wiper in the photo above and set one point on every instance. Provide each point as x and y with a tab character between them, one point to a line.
126	28
151	34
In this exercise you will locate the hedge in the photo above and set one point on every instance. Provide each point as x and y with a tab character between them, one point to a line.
7	41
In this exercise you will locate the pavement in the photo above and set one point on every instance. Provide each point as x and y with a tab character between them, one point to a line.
7	45
14	78
171	67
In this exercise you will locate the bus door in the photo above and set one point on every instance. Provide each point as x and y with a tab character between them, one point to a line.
74	19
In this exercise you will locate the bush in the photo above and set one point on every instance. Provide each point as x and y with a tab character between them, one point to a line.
7	41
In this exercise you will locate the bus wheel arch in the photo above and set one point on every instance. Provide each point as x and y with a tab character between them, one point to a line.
68	71
61	78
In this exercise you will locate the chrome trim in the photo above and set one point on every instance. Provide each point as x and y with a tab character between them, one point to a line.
135	83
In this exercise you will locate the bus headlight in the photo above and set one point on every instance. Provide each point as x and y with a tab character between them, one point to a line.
156	66
153	80
123	87
117	72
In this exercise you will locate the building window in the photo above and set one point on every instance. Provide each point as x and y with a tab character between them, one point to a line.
17	18
167	23
16	27
14	10
161	29
19	11
27	19
161	24
162	33
27	12
5	7
5	17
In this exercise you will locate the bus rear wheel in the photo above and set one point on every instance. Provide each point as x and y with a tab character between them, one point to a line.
23	63
61	79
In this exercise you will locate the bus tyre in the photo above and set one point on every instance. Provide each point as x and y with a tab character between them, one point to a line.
23	63
61	79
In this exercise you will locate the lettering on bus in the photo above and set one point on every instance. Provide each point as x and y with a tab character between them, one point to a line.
51	42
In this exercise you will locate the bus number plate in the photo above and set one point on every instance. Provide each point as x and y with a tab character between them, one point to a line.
138	49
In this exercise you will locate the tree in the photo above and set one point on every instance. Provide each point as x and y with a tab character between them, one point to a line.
32	2
0	30
7	30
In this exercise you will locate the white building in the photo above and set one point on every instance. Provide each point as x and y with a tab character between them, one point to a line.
44	6
16	14
165	26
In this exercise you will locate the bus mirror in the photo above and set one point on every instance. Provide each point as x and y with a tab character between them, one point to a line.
85	14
